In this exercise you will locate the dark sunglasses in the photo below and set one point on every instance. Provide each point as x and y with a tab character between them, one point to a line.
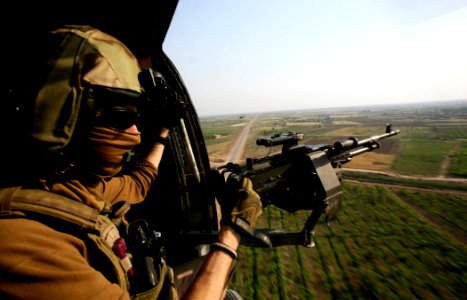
117	117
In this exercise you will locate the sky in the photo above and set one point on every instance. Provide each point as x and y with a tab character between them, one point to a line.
248	56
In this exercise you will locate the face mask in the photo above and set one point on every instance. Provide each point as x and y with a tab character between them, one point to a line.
106	148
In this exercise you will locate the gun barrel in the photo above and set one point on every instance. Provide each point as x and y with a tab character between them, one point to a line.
376	138
352	142
343	151
349	143
370	147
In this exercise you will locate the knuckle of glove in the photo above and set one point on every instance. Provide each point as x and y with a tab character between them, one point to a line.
243	195
249	208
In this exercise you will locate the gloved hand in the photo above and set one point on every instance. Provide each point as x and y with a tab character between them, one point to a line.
162	105
241	206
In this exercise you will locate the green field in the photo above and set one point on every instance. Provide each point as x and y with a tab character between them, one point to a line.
421	157
401	233
381	247
458	165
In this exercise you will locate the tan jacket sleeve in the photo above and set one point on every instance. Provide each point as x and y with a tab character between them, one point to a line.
38	262
132	187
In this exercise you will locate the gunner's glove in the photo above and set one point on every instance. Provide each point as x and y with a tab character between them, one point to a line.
241	206
162	106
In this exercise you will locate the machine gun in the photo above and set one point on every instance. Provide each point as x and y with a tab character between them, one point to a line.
302	177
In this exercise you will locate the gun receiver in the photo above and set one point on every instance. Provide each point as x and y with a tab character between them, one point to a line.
303	178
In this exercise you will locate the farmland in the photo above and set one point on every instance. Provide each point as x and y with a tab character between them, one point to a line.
401	233
382	246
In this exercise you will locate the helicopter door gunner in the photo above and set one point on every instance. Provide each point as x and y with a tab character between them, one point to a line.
58	213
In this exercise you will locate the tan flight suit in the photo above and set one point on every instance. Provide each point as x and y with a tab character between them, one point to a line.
41	262
39	257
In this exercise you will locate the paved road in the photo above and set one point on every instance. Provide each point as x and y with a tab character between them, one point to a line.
238	147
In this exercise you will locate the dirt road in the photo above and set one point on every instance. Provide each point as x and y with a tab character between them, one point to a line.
395	174
238	147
